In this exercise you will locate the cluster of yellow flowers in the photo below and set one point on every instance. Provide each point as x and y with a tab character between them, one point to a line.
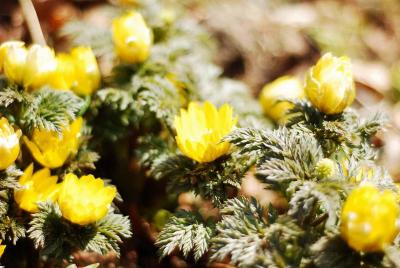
38	66
82	201
370	218
329	86
49	148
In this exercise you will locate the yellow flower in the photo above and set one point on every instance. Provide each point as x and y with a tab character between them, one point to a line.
5	46
286	87
87	74
31	67
85	200
9	144
40	66
51	149
36	187
2	248
200	130
132	38
14	63
330	85
64	76
369	220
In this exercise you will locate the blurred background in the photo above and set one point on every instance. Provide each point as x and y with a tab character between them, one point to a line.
258	41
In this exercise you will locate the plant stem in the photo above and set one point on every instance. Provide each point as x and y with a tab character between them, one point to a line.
32	21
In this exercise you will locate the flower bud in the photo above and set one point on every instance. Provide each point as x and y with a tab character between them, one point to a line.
9	144
325	168
5	46
370	219
64	76
14	63
87	73
330	85
132	38
286	87
40	66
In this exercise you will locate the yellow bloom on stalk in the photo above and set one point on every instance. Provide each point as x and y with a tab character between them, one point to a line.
330	85
9	144
87	73
132	38
51	149
40	66
64	76
77	71
4	48
14	62
36	187
286	87
31	67
85	200
370	219
200	129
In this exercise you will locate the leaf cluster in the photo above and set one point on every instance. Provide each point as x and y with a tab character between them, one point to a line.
58	238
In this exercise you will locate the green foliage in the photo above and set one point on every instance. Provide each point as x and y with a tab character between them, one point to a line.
50	110
10	94
120	108
86	157
159	96
144	99
286	160
283	155
86	34
344	131
244	235
186	232
58	238
10	228
214	181
323	199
